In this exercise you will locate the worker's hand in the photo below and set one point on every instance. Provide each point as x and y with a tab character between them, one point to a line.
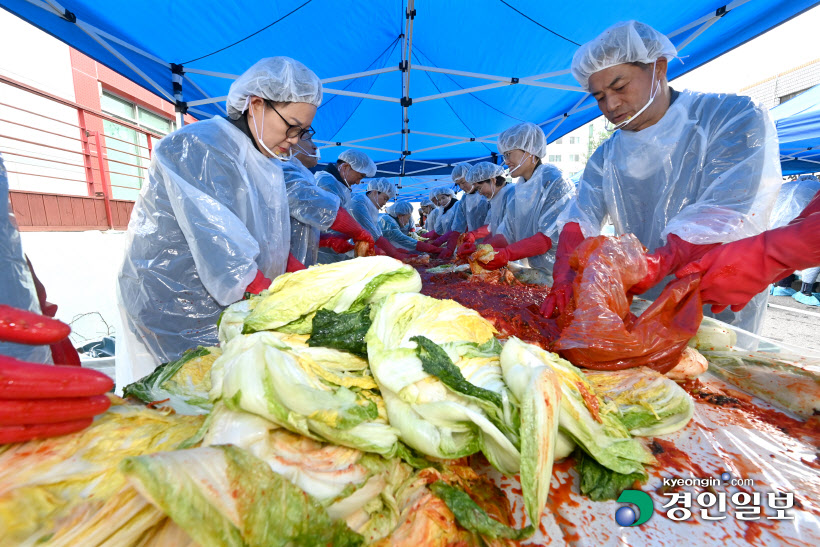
427	248
527	247
733	273
561	292
431	235
466	249
557	300
390	250
499	260
666	260
339	244
441	240
347	225
259	284
293	264
39	401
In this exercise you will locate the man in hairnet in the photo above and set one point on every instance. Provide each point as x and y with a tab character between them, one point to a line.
794	195
349	170
391	222
490	180
684	171
339	178
365	209
313	209
541	194
212	222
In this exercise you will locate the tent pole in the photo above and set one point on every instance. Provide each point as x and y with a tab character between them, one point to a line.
406	101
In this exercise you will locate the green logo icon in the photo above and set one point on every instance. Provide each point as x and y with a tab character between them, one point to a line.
626	516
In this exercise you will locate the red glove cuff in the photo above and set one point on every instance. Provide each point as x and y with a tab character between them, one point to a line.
484	231
571	237
259	283
531	246
293	264
498	241
347	225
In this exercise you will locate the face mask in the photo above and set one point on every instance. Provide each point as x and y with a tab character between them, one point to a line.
520	163
259	136
317	155
652	94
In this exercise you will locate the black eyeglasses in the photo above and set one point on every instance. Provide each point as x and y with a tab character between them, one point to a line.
293	130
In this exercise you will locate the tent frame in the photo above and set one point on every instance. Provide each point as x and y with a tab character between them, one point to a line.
180	76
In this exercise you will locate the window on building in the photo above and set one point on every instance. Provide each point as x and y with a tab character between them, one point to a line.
575	140
554	158
127	148
575	157
790	96
559	141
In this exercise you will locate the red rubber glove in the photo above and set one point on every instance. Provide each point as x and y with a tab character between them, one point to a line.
427	248
259	284
482	232
63	351
338	243
498	240
668	259
39	401
431	235
467	246
562	274
452	242
391	251
441	240
347	225
530	246
294	265
733	273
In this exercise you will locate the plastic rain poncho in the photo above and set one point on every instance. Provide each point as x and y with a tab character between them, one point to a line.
432	218
537	204
365	211
213	213
708	171
326	181
391	230
312	210
474	208
16	283
793	197
500	202
453	219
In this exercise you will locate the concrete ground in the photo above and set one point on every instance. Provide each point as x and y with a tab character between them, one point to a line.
787	320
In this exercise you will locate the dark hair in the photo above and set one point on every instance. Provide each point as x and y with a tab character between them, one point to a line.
339	162
500	181
642	66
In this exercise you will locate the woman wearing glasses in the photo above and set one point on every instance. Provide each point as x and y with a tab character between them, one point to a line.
212	221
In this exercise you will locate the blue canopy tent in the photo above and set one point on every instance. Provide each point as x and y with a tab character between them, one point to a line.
418	84
798	128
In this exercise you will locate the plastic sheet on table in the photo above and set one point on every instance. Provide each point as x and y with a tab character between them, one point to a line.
730	432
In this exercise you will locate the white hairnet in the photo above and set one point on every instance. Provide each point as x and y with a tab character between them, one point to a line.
483	171
460	171
400	208
807	177
629	42
382	185
524	136
359	162
442	191
279	79
427	202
